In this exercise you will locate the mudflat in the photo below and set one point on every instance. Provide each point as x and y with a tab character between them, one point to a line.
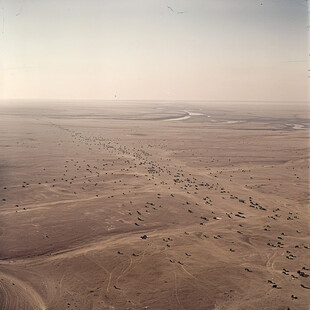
158	205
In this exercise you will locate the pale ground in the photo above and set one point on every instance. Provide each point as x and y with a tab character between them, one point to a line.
222	198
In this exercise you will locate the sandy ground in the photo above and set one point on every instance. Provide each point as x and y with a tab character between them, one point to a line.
154	206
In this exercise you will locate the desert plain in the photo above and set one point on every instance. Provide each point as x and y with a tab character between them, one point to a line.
154	205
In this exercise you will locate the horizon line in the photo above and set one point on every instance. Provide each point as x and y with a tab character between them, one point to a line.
151	100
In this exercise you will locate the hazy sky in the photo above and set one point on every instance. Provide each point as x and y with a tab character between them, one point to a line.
140	49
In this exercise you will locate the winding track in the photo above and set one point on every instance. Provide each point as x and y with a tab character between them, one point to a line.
18	294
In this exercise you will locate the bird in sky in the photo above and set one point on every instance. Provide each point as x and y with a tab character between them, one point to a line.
173	11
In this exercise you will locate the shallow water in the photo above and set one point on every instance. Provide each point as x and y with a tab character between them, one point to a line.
298	126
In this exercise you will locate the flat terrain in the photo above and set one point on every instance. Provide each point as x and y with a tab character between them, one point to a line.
154	206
